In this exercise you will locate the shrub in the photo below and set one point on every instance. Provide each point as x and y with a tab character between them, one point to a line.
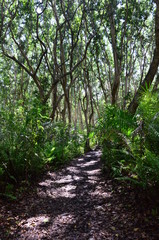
130	144
21	144
114	133
66	143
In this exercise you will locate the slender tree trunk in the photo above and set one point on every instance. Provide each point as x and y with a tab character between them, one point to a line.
156	83
101	82
116	83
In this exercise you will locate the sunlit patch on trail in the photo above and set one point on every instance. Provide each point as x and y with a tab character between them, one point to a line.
79	165
80	159
100	193
93	172
34	222
73	170
46	183
65	179
88	155
94	181
64	219
90	163
93	178
67	191
38	227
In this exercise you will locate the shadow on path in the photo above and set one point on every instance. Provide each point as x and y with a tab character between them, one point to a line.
77	203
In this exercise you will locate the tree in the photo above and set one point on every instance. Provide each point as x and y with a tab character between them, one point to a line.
146	83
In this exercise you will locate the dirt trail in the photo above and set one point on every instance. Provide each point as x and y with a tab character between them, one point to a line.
77	203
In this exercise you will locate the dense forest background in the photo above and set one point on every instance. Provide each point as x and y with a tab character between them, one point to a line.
74	75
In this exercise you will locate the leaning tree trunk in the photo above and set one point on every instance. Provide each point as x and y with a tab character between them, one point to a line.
153	67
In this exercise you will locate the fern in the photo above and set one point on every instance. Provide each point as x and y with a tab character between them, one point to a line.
131	144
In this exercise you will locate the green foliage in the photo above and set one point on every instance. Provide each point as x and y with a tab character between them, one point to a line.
93	138
115	130
149	110
21	143
130	144
115	126
28	143
147	169
66	143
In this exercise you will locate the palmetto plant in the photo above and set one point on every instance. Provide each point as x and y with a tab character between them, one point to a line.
130	143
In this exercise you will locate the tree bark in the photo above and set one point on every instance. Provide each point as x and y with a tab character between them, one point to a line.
156	83
116	82
153	67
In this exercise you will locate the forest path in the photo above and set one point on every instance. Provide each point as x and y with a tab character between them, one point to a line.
77	203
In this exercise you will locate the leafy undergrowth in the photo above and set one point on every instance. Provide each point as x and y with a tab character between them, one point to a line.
29	143
130	143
